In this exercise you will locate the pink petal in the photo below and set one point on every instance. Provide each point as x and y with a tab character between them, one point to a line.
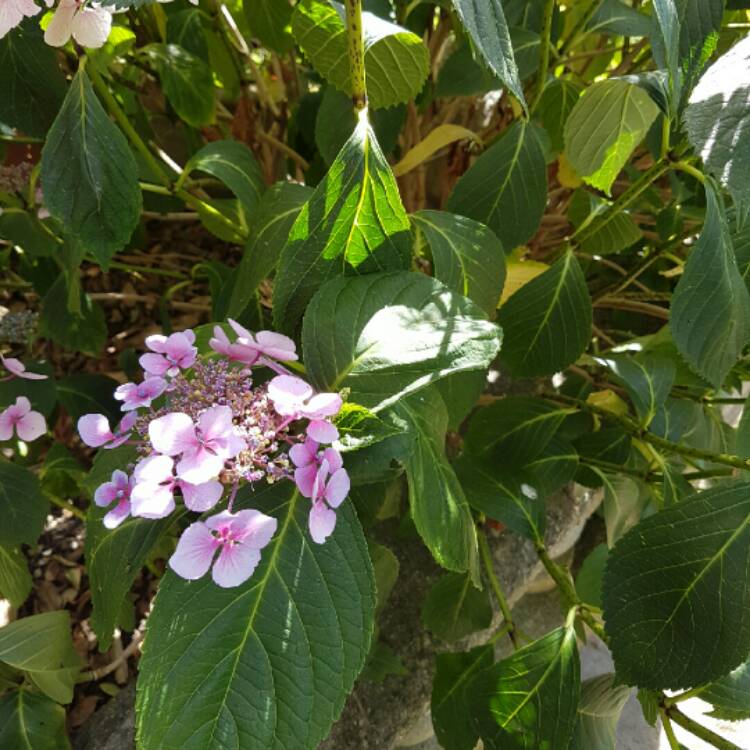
220	521
154	469
18	368
277	346
189	334
216	422
201	497
322	522
195	552
241	331
59	28
6	424
91	27
304	478
322	431
302	454
150	500
322	405
337	488
172	434
235	565
335	462
117	515
199	466
94	430
234	445
256	529
22	405
154	364
31	426
105	494
288	393
156	343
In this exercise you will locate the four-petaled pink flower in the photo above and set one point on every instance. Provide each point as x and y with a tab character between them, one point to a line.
204	447
248	349
12	13
173	353
88	25
293	397
155	485
328	493
136	395
308	458
238	537
117	490
18	369
28	424
95	431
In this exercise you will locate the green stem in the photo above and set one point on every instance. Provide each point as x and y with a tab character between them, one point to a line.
683	166
686	695
65	505
699	730
502	602
356	44
642	184
145	269
669	731
580	25
122	120
544	42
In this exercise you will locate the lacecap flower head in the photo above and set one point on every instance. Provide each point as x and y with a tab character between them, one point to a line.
202	428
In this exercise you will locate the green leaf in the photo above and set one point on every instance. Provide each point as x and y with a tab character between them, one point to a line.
461	75
598	713
86	393
547	322
232	163
666	43
187	82
460	393
675	599
270	21
648	380
114	558
396	60
386	567
15	579
438	504
504	494
32	87
31	722
554	467
270	224
354	220
506	187
618	233
710	313
557	102
466	256
623	113
450	707
24	229
279	653
591	574
23	508
485	23
186	29
532	696
616	17
387	335
41	646
381	663
358	428
623	503
454	608
730	695
515	429
89	175
717	119
41	393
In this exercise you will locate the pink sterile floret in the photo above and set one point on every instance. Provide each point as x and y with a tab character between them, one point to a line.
136	395
249	348
172	353
28	424
95	431
328	493
238	537
117	490
155	485
293	397
204	447
16	367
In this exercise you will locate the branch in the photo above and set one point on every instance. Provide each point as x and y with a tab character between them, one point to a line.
356	53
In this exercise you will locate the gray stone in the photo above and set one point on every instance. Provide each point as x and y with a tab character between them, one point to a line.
112	727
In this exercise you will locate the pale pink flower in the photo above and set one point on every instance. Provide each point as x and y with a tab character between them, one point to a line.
238	538
16	367
328	493
88	25
322	431
28	424
249	348
12	12
95	431
204	447
308	458
293	397
134	396
172	353
155	485
117	490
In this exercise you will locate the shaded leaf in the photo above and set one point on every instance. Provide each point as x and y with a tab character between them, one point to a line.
591	574
86	393
29	721
598	713
730	695
387	335
270	21
455	608
283	649
675	599
15	579
23	508
506	187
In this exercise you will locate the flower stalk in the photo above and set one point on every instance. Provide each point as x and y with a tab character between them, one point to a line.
356	47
